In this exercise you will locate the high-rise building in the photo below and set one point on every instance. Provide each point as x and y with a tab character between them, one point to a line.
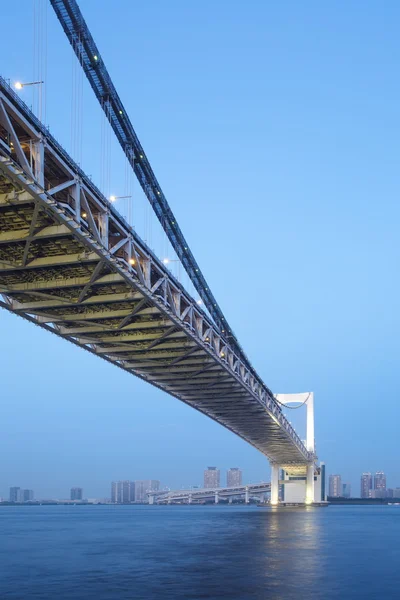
144	486
379	481
323	481
346	490
378	494
234	477
15	494
211	477
335	486
76	493
366	485
122	492
26	495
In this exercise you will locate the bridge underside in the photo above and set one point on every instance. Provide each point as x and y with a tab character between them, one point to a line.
70	264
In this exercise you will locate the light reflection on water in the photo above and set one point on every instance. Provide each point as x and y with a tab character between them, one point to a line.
183	553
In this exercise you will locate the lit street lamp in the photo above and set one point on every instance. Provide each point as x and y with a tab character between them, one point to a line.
114	198
19	85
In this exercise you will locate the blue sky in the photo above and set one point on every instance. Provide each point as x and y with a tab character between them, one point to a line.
273	129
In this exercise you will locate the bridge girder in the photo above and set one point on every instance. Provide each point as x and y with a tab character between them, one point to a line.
70	263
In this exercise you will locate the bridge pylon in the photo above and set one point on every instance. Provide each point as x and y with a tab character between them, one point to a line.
299	479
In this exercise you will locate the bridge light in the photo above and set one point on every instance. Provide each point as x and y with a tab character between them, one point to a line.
114	198
84	215
19	85
120	112
96	57
165	261
199	301
132	261
222	354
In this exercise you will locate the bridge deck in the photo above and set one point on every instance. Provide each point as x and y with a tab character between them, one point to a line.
71	264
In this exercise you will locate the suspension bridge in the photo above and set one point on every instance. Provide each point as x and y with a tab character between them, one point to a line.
72	265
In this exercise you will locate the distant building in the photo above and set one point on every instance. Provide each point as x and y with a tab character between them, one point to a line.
396	493
144	486
346	490
15	494
379	481
335	486
366	485
76	493
378	494
234	477
26	495
323	481
122	492
211	477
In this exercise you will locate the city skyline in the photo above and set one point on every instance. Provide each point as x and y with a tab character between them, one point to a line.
373	485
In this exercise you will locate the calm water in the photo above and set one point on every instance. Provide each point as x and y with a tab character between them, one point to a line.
246	553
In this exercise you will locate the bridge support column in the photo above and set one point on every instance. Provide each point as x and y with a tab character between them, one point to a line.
190	499
230	500
310	484
246	496
275	485
151	499
216	498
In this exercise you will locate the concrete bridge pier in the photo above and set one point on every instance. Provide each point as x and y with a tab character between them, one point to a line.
246	495
310	484
275	485
216	500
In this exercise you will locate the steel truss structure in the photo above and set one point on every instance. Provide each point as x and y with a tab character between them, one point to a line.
71	264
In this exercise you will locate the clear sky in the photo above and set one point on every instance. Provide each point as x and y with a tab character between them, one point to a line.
273	128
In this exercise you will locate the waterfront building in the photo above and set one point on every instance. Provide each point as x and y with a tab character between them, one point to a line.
122	492
378	494
234	477
396	493
144	486
346	490
379	481
335	486
366	485
26	495
76	493
15	494
211	477
323	481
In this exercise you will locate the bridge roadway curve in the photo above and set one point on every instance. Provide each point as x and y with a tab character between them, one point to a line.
165	496
71	264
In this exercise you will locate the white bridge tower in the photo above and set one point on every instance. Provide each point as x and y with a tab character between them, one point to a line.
301	478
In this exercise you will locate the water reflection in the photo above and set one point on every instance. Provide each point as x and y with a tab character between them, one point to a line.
288	550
